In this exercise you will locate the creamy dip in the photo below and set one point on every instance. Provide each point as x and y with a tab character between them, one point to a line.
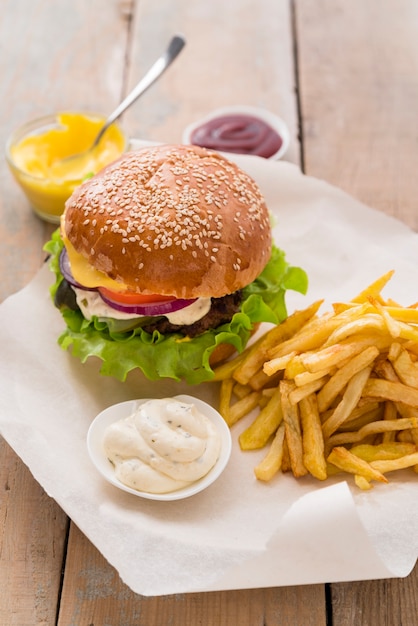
164	446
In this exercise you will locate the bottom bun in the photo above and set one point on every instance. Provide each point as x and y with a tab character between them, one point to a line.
221	353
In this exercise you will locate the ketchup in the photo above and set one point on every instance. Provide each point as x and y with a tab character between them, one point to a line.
239	133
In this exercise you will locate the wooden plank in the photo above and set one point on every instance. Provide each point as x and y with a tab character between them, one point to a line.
98	596
236	53
258	72
32	541
357	70
389	602
55	56
359	91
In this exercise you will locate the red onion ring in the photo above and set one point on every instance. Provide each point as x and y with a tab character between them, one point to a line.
150	308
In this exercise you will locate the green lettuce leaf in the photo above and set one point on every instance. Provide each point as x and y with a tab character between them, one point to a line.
172	355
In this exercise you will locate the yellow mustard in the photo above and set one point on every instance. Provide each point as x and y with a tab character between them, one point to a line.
35	158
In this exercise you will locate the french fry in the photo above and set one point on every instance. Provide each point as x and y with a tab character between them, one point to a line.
336	354
341	378
392	325
257	355
311	337
305	378
299	393
312	438
375	288
260	380
362	483
407	331
333	394
384	369
401	314
294	367
383	451
279	363
225	396
226	369
381	426
405	436
394	350
370	322
388	390
293	430
286	466
272	462
264	425
395	464
349	400
241	390
350	425
345	460
366	408
390	413
406	369
242	407
398	313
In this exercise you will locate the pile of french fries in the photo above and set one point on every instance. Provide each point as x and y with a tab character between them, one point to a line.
335	392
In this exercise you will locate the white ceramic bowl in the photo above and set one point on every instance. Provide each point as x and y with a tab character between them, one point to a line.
124	409
270	118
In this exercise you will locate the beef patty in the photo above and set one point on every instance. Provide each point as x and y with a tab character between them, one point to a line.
221	312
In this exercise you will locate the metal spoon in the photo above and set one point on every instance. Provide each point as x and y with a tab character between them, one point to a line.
161	64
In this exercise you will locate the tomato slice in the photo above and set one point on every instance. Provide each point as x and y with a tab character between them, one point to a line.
130	297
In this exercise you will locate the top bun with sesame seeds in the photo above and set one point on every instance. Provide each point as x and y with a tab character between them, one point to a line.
164	263
179	221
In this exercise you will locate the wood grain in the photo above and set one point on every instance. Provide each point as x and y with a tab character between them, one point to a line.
237	52
54	56
187	90
32	544
391	602
358	82
358	72
356	93
258	73
94	594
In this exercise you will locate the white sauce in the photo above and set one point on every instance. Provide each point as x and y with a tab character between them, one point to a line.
91	303
165	445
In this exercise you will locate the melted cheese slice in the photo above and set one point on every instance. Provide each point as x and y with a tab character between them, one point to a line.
86	274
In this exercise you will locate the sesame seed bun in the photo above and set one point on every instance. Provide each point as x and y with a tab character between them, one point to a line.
173	220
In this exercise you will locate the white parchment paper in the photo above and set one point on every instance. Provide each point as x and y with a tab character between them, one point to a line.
239	533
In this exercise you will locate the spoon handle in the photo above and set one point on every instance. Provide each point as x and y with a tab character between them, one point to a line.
161	64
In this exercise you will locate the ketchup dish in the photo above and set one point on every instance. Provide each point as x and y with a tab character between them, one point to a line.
241	130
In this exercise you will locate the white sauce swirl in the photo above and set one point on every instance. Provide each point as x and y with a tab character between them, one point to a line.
164	446
91	303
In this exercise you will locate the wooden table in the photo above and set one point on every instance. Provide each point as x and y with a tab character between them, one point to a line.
344	75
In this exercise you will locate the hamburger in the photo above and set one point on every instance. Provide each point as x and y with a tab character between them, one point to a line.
164	261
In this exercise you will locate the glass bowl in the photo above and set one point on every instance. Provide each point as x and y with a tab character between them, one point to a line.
35	149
